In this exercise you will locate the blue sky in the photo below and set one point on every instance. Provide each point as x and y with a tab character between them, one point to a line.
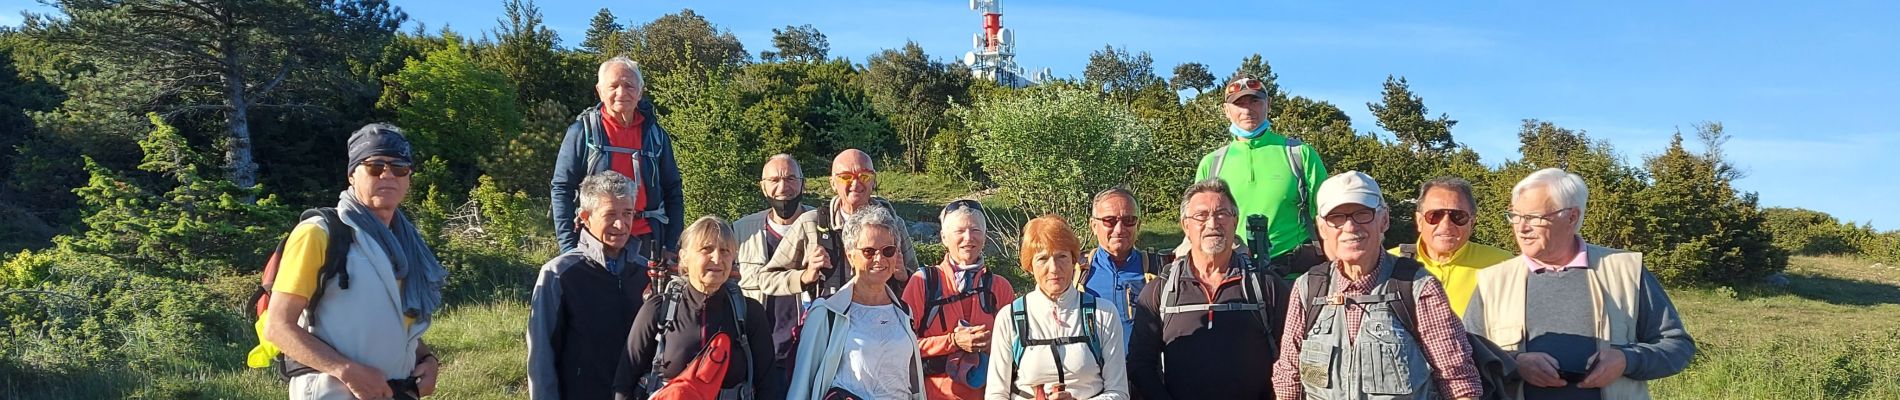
1800	88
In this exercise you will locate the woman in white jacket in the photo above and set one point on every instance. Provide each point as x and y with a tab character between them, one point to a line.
1057	342
858	343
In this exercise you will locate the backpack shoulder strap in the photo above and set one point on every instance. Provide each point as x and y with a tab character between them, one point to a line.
739	319
1167	295
986	299
1019	318
1220	157
933	289
1404	274
1318	281
1089	327
1296	158
336	254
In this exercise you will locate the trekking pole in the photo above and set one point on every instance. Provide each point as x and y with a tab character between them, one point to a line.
1260	244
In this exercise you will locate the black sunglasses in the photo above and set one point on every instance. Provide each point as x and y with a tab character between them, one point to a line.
962	204
1458	217
376	167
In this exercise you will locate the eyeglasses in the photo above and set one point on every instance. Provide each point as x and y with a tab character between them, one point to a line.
848	177
1458	217
781	179
376	167
1128	221
1361	217
1245	83
1220	216
1534	220
872	253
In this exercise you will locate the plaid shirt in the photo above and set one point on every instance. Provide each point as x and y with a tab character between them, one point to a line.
1443	335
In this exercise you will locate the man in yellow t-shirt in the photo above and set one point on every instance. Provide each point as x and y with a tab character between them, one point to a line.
1446	212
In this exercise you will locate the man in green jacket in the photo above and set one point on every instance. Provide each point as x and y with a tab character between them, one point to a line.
1272	175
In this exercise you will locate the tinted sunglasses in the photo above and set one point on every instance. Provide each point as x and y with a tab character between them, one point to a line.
871	253
1112	220
1245	83
1458	217
376	167
848	177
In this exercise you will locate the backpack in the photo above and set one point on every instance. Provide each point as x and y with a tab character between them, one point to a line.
1154	264
671	301
934	298
1295	159
335	260
1496	368
1261	292
1019	316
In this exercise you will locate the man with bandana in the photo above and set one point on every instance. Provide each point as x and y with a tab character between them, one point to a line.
783	184
374	311
1272	176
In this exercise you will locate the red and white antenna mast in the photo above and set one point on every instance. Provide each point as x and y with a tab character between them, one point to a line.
993	53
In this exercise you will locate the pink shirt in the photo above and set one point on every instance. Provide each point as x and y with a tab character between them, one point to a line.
1581	260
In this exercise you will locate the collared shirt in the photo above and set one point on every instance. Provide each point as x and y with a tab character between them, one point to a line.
1460	273
1441	333
1581	260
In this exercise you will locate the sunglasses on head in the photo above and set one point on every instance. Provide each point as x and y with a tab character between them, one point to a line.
376	167
1112	220
962	204
872	253
1245	83
1458	217
848	177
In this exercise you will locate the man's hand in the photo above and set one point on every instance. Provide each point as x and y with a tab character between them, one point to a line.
365	382
426	372
816	264
1606	366
1539	369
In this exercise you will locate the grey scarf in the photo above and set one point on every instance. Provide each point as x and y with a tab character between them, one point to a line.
422	275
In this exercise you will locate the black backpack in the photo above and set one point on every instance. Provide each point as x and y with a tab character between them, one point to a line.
335	266
670	300
1497	369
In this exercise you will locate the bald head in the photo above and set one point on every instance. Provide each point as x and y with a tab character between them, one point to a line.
854	164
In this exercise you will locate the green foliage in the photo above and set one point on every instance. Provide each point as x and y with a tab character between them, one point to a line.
717	167
1191	75
527	52
1404	115
524	162
451	107
797	44
1701	228
684	42
1800	231
602	32
914	92
1051	148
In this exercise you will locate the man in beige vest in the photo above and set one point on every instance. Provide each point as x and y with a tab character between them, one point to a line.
1581	320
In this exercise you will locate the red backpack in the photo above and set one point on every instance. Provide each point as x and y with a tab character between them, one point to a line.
335	258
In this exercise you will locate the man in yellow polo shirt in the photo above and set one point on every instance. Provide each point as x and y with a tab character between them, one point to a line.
1446	212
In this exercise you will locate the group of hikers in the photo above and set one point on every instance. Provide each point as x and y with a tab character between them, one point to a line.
1280	289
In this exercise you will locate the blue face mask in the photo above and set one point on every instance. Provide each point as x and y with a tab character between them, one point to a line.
1265	126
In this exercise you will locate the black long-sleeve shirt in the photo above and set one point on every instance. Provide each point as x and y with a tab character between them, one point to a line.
1228	355
699	317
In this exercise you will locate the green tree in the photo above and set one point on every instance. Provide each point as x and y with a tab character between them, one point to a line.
1050	148
801	43
183	57
602	32
1702	230
675	41
453	108
1191	75
1119	72
527	52
710	140
914	92
1404	115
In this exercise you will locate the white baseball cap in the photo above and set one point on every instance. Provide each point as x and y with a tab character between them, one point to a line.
1350	187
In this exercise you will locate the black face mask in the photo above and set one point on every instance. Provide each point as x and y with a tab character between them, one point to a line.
785	209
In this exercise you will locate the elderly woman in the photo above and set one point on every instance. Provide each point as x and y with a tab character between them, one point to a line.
701	335
955	302
858	343
1059	343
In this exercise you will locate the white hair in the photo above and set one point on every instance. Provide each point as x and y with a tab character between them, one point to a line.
624	62
1564	188
603	186
975	215
867	217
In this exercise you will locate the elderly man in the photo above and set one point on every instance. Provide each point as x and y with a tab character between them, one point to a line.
622	135
1578	317
1445	215
585	300
1206	330
1115	271
783	183
810	259
375	291
1272	175
1368	324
